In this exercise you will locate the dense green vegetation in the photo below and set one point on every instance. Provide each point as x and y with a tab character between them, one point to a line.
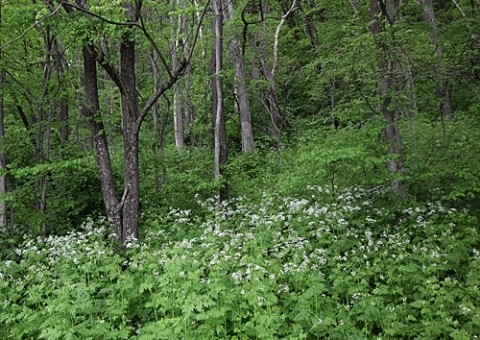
354	215
328	264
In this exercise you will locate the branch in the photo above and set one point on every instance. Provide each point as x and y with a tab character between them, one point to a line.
150	39
110	69
161	90
459	8
277	33
197	32
124	198
354	5
173	77
108	21
23	117
35	24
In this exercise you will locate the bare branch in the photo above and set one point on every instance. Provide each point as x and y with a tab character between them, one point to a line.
109	68
108	21
197	32
173	77
277	33
459	8
354	6
124	198
161	90
150	39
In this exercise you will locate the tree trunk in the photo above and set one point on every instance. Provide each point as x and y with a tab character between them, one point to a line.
189	110
130	115
62	103
157	140
177	107
443	94
248	144
3	160
220	130
271	100
91	110
388	68
124	213
42	133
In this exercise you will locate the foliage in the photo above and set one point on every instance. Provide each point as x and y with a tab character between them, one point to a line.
323	265
310	245
440	160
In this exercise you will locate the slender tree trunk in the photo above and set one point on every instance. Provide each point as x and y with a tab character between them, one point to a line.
248	144
271	98
156	140
3	160
42	133
387	84
271	103
312	31
199	20
443	94
189	110
413	109
220	130
178	124
58	67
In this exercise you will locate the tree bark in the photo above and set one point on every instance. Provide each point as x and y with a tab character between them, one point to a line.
124	213
91	110
388	83
220	129
189	110
178	124
130	115
3	160
248	144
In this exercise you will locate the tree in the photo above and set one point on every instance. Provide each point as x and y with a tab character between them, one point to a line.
122	212
220	128
178	119
3	161
383	13
241	89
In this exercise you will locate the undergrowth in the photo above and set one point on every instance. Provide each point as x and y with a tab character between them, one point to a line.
333	265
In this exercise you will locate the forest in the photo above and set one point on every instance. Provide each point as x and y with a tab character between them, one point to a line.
239	169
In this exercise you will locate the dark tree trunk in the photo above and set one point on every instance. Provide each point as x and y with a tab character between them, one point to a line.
91	110
124	213
130	115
